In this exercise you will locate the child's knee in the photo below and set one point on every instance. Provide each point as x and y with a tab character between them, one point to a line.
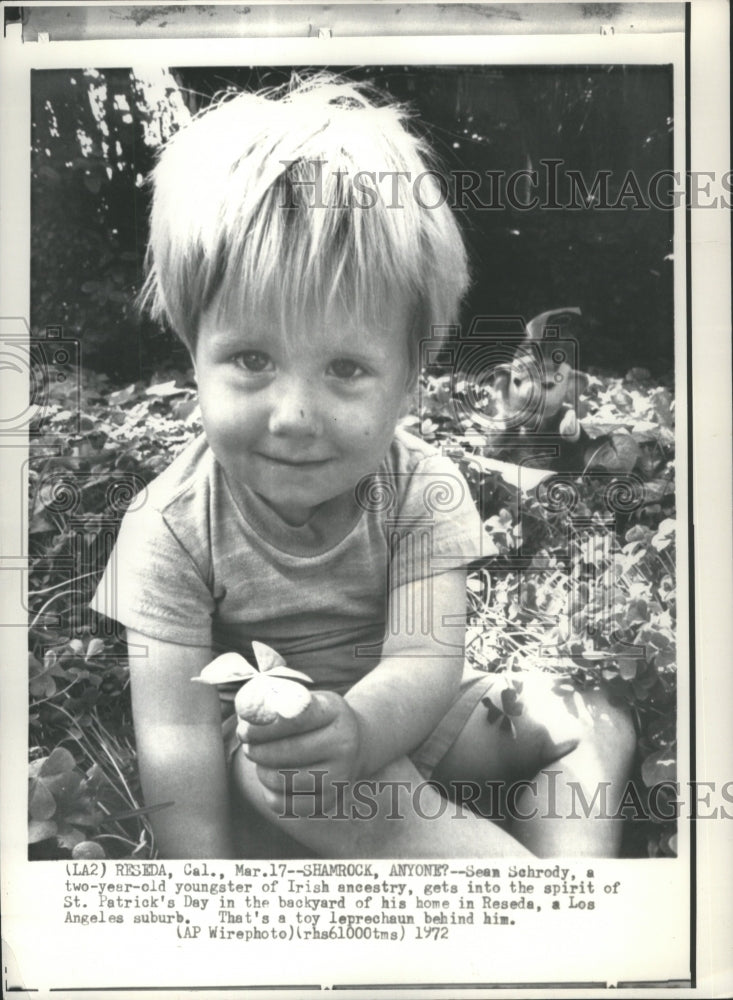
610	730
550	716
561	718
586	719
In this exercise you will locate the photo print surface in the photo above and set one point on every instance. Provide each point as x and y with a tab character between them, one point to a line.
551	391
356	505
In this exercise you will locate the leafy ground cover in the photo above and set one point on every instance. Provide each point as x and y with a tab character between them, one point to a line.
580	582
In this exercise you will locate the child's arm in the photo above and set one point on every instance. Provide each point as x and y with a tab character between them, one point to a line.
401	701
180	749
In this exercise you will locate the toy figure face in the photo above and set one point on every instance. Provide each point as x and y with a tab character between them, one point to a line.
534	387
301	416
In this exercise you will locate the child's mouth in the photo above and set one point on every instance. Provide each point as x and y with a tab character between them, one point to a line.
294	463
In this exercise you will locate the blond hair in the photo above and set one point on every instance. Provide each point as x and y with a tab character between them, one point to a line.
302	197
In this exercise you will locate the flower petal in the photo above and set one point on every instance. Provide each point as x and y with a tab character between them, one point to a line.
267	658
226	669
289	674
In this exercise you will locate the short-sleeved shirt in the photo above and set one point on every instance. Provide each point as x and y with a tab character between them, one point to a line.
195	566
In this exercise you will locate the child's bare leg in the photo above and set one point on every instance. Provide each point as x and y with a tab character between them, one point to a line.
410	819
571	747
580	741
578	796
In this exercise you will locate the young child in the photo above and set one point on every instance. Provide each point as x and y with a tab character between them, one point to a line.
302	251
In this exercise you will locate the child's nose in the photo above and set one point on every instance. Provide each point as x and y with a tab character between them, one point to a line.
294	409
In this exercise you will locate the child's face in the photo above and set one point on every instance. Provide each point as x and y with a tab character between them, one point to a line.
301	418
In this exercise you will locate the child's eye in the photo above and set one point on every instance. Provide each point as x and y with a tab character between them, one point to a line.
345	369
254	362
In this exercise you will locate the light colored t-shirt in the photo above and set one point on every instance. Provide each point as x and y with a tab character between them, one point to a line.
193	566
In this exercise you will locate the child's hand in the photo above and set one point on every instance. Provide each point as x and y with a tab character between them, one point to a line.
325	737
284	727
